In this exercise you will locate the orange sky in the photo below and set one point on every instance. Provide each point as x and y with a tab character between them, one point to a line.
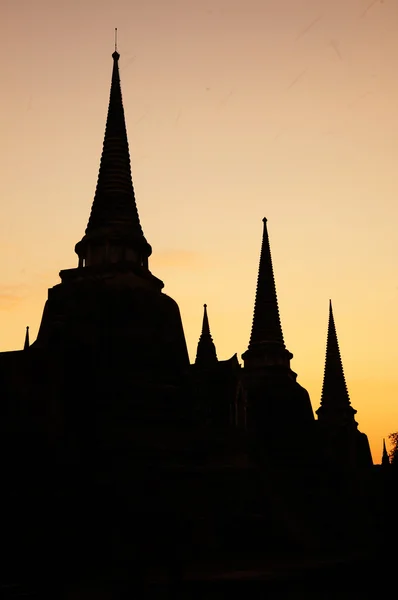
236	110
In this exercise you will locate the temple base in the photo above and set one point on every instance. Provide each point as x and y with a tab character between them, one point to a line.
121	317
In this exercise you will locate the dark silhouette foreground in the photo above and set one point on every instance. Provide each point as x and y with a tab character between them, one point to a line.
127	470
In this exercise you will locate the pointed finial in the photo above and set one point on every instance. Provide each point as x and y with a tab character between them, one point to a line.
116	54
27	344
205	323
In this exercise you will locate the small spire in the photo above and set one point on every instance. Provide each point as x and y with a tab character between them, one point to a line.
27	344
115	39
205	324
206	353
335	401
385	459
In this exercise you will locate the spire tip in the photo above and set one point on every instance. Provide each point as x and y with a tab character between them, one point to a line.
116	54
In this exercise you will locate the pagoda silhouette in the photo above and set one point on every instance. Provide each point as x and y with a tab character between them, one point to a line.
120	456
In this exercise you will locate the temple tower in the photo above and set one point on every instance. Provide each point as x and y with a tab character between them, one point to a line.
266	346
343	444
111	304
114	233
278	409
385	459
335	405
217	389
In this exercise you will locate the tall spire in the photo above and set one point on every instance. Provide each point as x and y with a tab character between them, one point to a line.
266	321
266	334
335	401
206	353
114	220
27	343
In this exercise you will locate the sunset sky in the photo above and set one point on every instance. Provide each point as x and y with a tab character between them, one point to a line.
235	110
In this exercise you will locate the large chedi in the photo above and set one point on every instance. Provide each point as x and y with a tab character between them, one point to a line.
122	459
111	301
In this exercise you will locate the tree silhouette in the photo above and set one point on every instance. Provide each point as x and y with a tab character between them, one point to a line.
393	437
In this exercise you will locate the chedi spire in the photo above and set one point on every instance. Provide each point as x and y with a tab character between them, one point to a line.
114	232
266	321
206	355
385	459
266	340
335	402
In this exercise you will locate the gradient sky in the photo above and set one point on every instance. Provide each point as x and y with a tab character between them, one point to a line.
235	110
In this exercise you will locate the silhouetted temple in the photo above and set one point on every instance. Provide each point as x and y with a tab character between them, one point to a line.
273	394
120	456
344	446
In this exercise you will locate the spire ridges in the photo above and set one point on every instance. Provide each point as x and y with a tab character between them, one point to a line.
334	385
266	325
114	202
335	401
206	355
